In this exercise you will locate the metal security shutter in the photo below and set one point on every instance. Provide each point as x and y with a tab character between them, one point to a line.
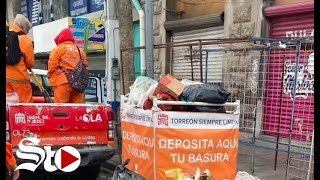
296	20
181	63
97	61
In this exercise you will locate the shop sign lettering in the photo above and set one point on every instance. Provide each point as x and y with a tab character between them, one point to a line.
300	33
305	80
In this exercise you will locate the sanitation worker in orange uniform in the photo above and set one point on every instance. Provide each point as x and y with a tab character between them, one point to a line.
17	77
65	56
11	162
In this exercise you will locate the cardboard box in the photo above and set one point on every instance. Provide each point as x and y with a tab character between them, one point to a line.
170	85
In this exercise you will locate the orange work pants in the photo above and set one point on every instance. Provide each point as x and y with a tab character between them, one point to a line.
23	90
10	160
64	93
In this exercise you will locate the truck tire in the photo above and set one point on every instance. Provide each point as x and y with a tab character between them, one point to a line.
27	175
89	172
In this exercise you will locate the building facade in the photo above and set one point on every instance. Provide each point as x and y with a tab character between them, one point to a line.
43	15
177	21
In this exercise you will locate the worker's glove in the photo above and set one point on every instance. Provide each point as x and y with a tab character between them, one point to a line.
12	172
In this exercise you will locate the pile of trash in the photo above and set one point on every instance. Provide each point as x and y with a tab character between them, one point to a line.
145	89
177	174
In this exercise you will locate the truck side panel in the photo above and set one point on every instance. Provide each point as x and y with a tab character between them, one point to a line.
60	124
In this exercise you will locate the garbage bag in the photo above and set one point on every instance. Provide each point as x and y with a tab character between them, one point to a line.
209	93
212	109
12	98
122	173
140	86
148	104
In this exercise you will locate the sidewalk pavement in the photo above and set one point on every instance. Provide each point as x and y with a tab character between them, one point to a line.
263	163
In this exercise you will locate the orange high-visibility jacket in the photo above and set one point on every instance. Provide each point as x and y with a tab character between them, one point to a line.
65	56
19	71
10	160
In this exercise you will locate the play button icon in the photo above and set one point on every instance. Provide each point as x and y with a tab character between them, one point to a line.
67	159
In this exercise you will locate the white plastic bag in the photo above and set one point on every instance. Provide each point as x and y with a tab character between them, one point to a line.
187	82
197	175
140	86
147	95
242	175
12	98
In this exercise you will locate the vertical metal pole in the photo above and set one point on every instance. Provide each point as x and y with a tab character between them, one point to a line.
200	48
293	104
112	48
253	151
86	38
191	59
311	154
113	51
254	137
207	54
279	121
85	48
149	38
122	73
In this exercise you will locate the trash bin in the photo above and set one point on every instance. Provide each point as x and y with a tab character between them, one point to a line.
161	142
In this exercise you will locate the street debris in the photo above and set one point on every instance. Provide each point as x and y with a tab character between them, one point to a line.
123	173
177	174
242	175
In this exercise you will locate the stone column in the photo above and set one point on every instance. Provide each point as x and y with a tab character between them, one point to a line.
243	19
241	70
159	38
126	41
13	8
